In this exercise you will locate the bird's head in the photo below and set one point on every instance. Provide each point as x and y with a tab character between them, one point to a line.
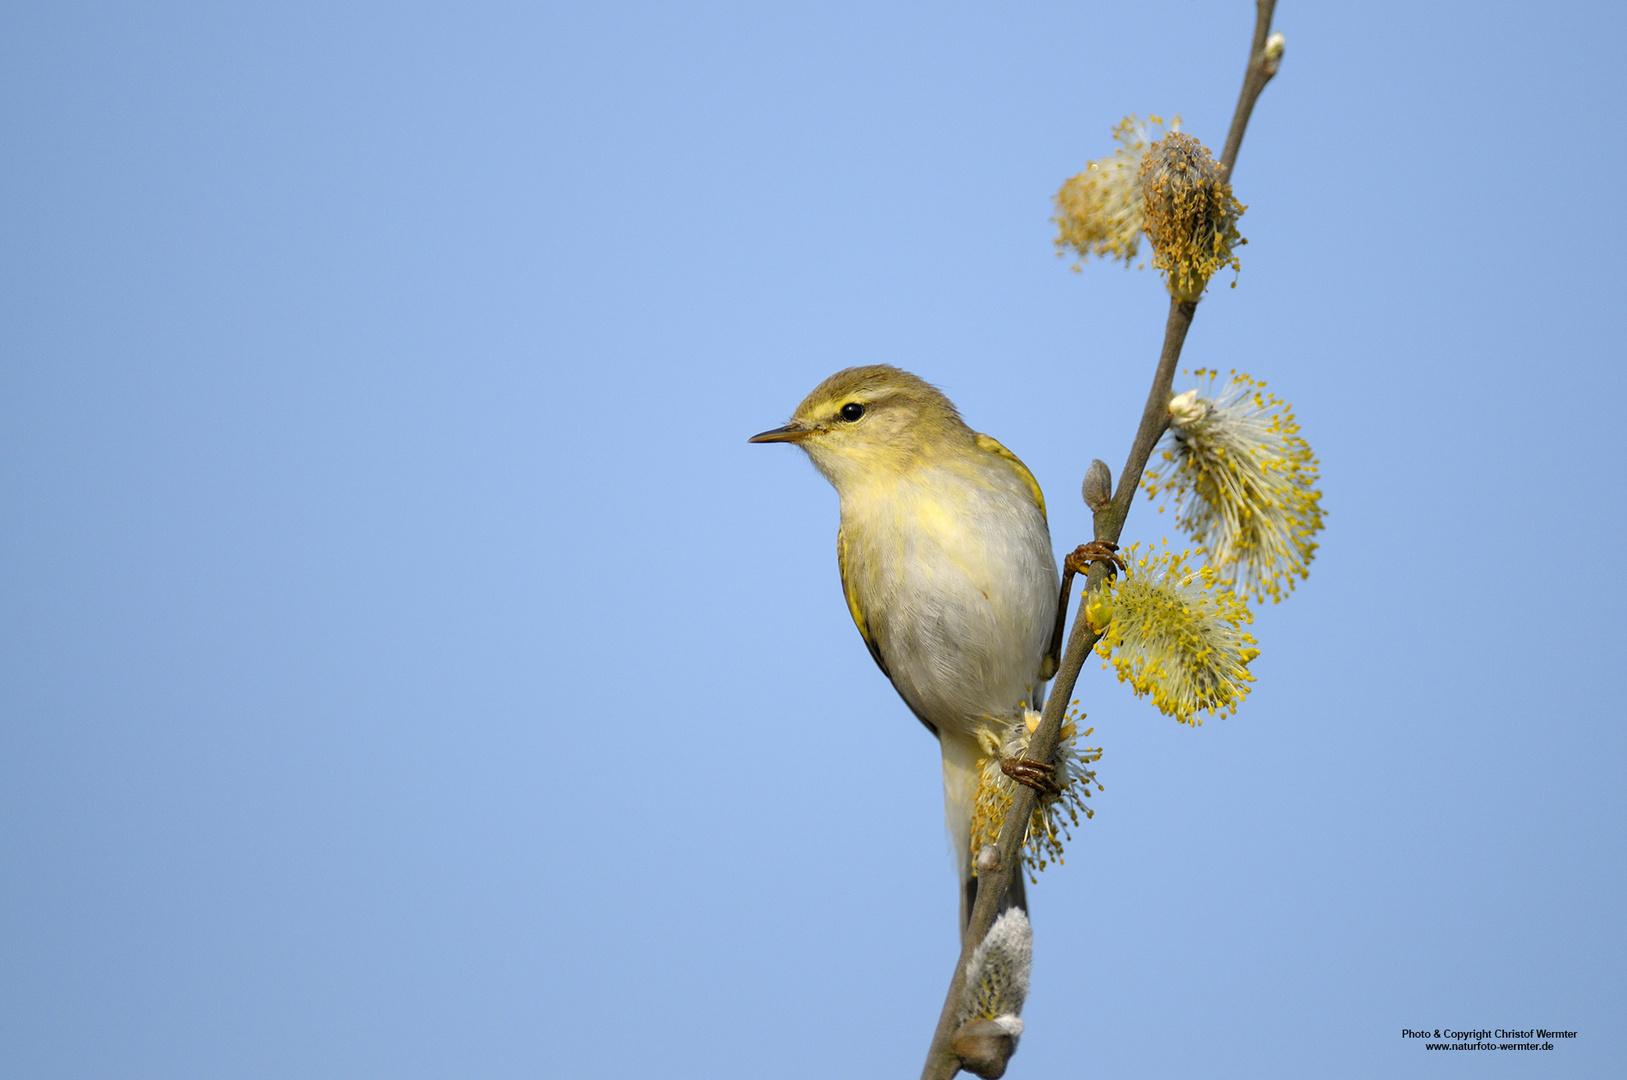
865	422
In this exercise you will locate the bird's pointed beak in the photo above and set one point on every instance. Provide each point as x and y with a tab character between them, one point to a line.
792	432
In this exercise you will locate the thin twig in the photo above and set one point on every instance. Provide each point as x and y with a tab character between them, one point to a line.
1254	79
941	1063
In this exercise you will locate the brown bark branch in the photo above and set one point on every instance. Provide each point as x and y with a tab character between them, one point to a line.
941	1063
1254	79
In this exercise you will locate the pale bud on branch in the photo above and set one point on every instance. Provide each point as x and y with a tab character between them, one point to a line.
1272	60
1098	486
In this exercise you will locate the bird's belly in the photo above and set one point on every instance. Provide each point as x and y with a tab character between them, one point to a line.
962	659
968	603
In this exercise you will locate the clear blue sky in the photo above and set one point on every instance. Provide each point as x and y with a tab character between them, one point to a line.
401	642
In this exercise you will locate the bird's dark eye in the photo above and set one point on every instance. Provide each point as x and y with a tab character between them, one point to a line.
852	411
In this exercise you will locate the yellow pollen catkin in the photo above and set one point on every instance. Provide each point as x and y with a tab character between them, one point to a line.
1177	636
1049	824
1099	212
1189	213
1243	482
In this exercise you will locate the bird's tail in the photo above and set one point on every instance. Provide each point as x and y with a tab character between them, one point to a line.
961	754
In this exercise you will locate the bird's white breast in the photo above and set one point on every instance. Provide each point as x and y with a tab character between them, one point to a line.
954	572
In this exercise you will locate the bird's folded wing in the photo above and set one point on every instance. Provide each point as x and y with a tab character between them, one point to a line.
990	445
853	608
859	620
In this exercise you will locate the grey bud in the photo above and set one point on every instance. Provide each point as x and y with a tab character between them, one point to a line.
1098	487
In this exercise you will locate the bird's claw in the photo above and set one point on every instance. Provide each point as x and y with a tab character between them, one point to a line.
1035	774
1102	551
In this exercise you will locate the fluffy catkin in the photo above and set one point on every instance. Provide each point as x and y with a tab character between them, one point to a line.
1189	213
1177	637
998	972
1243	482
1098	212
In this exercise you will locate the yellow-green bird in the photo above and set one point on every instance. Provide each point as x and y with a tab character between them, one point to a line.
946	563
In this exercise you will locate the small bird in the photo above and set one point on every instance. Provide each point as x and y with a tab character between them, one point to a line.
946	563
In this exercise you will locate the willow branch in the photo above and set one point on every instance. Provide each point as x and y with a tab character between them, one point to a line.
1109	523
1259	73
941	1063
